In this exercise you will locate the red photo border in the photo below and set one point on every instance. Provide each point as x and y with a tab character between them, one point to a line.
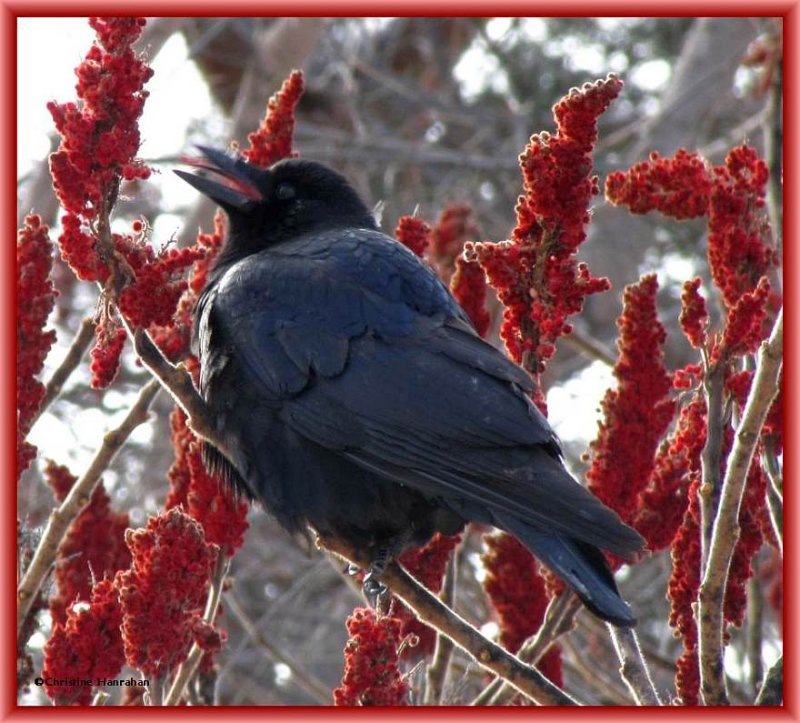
10	11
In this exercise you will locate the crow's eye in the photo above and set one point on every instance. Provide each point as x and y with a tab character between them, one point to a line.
285	191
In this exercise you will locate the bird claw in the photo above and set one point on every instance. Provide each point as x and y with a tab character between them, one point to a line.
374	590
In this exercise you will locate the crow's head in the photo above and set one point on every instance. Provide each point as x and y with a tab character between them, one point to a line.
268	205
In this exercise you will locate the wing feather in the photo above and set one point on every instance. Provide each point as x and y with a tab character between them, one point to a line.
362	350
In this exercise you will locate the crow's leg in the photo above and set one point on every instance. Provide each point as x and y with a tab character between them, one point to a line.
374	590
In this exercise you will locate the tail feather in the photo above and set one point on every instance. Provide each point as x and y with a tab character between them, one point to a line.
578	564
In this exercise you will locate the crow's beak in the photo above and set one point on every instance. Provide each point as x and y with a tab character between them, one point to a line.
229	181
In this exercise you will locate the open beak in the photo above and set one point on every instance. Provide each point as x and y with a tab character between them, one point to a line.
229	181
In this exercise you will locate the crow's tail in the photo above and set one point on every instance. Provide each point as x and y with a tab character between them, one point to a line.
580	565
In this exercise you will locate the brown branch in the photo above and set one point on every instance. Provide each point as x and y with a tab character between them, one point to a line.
62	517
154	696
772	468
593	348
754	642
189	666
430	610
711	456
773	148
596	677
100	698
771	692
178	382
325	143
775	508
68	365
726	525
437	670
633	668
310	685
558	620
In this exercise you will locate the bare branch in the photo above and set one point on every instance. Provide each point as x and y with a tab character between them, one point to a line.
769	459
558	620
712	454
311	685
70	362
593	348
178	382
189	666
726	525
771	692
80	494
755	633
607	687
429	609
437	670
633	668
773	145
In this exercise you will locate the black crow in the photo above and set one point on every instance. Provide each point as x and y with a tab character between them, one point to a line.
354	395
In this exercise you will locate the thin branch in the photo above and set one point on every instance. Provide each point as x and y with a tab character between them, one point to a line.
189	666
593	348
769	459
771	466
558	620
100	698
596	677
316	689
755	633
712	455
155	694
178	382
437	670
633	668
720	145
775	508
70	362
326	143
726	525
773	147
429	609
771	692
80	494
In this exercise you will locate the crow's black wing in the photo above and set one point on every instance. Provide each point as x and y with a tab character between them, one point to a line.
361	349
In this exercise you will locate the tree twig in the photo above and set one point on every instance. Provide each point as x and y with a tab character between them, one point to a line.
311	685
558	620
711	456
175	379
771	692
437	670
100	698
429	609
70	362
593	348
178	382
774	474
189	666
608	688
773	148
62	516
755	633
633	668
726	523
